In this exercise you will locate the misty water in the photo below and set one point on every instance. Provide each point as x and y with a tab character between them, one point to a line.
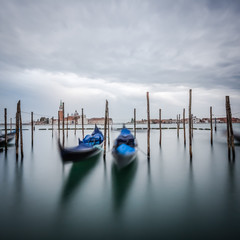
168	197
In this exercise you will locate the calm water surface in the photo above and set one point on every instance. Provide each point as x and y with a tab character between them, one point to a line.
168	197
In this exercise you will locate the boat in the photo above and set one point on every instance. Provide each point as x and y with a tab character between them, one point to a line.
90	146
10	137
237	137
125	148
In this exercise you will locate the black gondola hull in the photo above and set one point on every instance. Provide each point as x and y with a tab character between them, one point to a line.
74	156
10	137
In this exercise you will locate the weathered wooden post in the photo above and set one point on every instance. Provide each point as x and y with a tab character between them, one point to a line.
134	122
230	136
58	125
32	126
17	130
108	129
67	124
10	124
5	123
21	134
160	127
177	125
190	123
105	130
184	129
63	124
215	125
148	128
179	120
231	130
228	131
52	125
82	124
211	125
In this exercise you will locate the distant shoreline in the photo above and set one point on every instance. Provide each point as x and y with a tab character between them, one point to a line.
44	124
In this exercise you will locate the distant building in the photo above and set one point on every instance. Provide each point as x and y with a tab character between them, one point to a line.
42	120
99	121
76	117
72	118
60	111
196	120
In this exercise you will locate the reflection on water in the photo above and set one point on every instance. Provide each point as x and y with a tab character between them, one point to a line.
18	183
121	183
168	197
231	193
77	174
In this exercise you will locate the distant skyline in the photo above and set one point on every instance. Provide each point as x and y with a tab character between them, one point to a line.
84	52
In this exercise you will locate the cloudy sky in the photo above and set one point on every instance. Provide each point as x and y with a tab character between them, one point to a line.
84	52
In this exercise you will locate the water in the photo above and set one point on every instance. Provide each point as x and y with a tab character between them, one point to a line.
168	197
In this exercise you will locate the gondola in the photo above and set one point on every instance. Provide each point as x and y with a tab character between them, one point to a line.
10	137
237	137
124	149
90	146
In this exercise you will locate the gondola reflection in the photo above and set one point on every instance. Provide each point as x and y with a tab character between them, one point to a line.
76	177
121	183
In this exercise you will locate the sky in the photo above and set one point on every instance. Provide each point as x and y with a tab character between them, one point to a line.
84	52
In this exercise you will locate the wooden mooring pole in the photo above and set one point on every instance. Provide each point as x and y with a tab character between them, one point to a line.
52	125
211	125
82	124
231	130
184	129
108	128
21	134
58	125
5	123
230	136
148	127
190	123
160	127
177	126
105	130
134	122
228	131
215	128
17	130
32	127
67	124
63	124
10	124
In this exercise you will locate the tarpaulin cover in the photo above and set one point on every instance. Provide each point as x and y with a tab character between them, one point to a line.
125	149
95	138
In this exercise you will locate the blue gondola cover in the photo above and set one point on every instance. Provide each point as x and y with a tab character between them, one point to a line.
125	149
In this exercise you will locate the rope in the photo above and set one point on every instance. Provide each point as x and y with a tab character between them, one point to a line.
37	114
142	151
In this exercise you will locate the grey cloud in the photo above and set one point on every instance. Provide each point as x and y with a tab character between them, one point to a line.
134	41
175	43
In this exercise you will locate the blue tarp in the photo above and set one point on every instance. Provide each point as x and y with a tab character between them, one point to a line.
95	138
125	149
